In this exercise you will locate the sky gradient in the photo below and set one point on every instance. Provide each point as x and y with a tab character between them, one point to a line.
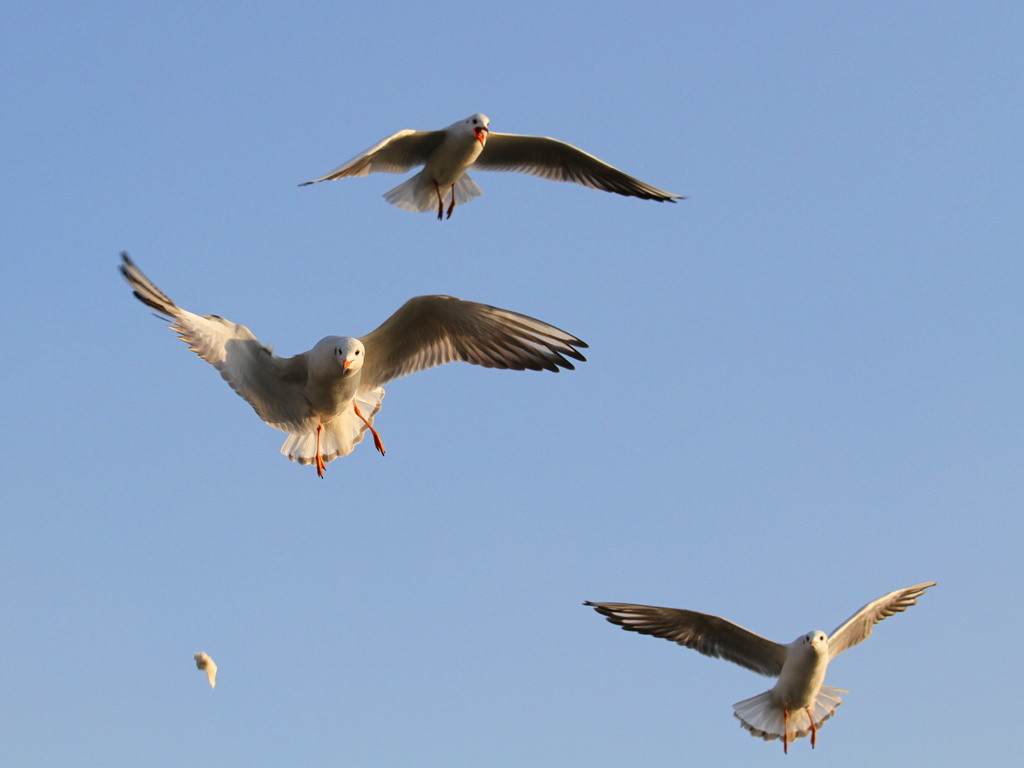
804	386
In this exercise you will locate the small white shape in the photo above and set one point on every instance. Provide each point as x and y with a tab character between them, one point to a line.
203	661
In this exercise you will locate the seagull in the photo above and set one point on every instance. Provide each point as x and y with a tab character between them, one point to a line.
326	398
799	703
203	661
447	154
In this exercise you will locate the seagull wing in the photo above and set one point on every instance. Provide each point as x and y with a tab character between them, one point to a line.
433	330
272	385
711	635
558	161
857	628
398	153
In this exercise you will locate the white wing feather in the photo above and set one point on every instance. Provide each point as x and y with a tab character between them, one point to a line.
398	153
557	161
857	628
270	384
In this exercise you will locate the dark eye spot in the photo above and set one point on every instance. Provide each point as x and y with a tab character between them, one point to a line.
357	351
474	122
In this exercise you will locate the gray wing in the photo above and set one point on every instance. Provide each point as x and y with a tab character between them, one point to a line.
272	385
558	161
397	153
857	628
711	635
433	330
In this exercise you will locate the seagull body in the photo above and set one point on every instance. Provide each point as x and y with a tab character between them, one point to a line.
326	398
447	154
798	703
204	662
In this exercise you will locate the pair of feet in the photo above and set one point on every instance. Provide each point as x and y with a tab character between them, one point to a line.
785	736
321	465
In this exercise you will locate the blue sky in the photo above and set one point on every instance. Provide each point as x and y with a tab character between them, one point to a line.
803	389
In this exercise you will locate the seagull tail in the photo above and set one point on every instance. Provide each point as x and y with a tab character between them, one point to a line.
339	435
766	719
417	194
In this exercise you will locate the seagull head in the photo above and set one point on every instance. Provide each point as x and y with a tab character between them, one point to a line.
332	352
815	642
350	353
479	124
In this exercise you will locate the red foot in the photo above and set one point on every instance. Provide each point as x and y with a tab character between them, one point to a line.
452	206
376	438
785	736
440	202
814	728
321	465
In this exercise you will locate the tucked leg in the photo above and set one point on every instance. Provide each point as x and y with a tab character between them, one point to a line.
814	728
376	438
452	206
440	202
321	465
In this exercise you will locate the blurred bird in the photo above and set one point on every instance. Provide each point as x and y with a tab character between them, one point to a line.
326	398
798	703
205	662
447	154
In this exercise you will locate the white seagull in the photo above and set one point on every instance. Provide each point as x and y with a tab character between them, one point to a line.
798	703
203	661
447	154
327	397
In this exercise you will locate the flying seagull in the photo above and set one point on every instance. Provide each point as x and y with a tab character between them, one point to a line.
798	703
203	661
447	154
326	398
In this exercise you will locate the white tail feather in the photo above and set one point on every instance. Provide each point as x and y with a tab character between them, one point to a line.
339	436
417	193
766	719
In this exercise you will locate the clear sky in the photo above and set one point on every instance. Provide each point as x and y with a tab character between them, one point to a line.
804	388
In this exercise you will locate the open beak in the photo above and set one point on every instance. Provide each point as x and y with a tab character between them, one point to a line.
480	132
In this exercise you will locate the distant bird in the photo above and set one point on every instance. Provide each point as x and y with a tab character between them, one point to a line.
326	398
448	153
799	703
205	662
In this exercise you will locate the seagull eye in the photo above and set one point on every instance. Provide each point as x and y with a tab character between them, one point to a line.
357	351
474	122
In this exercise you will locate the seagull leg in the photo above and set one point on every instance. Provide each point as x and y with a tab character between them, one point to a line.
814	728
376	438
452	206
785	736
440	202
321	465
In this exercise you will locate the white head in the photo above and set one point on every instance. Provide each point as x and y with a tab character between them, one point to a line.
815	642
477	124
339	351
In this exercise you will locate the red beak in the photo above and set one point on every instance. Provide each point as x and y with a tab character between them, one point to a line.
480	131
345	365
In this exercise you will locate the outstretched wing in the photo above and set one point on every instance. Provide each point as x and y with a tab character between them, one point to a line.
558	161
433	330
272	385
711	635
397	153
857	628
